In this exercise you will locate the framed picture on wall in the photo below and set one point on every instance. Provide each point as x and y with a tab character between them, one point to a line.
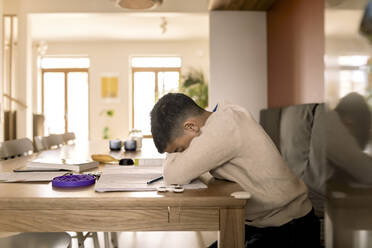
110	87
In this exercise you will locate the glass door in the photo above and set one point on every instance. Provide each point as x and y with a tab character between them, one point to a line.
148	86
144	99
77	104
65	102
54	102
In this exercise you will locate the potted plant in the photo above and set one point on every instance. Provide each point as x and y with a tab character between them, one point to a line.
106	129
195	86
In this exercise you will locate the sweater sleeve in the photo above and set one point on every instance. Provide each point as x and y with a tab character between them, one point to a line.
345	153
216	145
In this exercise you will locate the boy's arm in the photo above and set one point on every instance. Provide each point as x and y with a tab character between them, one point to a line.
216	145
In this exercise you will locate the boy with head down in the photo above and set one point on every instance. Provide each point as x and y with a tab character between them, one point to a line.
230	145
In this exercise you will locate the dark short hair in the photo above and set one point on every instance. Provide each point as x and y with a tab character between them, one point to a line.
168	115
354	107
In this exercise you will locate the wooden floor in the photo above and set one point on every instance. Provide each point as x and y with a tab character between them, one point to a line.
157	239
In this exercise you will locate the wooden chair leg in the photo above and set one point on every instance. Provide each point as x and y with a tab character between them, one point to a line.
107	239
114	239
81	239
95	240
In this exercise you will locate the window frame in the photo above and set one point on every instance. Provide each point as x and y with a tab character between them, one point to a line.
66	71
156	70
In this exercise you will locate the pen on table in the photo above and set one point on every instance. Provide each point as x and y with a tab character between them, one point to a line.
155	180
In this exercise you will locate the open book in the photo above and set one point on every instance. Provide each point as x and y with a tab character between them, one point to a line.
135	178
67	164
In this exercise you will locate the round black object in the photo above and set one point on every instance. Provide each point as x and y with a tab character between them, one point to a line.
126	161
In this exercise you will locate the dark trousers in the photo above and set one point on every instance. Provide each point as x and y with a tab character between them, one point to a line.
303	232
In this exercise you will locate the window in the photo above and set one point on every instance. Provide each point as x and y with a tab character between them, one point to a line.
353	81
152	77
65	96
53	63
345	74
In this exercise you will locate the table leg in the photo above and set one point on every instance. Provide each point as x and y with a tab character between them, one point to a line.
232	233
342	236
339	227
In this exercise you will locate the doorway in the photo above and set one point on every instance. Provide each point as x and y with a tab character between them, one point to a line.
65	98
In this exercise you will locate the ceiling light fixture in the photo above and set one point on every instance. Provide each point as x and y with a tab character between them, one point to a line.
138	4
163	25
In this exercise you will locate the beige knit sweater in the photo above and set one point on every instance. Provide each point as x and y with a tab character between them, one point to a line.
233	146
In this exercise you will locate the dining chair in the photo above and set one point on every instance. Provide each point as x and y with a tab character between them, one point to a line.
81	237
54	141
16	148
69	137
40	143
37	240
2	151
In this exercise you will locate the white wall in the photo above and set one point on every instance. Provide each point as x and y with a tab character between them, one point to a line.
114	57
23	78
1	75
22	8
352	45
238	59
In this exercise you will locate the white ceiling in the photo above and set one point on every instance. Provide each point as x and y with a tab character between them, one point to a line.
346	4
342	23
118	26
339	23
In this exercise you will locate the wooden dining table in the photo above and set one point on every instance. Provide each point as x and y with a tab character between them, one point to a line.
40	207
347	214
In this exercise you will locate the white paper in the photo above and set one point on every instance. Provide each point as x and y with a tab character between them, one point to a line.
133	178
114	169
149	161
29	176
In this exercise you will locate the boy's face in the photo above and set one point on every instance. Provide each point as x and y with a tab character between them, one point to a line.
181	143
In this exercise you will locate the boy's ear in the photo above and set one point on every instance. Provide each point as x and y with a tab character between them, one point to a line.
191	125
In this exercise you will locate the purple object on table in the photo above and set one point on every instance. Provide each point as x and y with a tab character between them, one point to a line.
72	181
